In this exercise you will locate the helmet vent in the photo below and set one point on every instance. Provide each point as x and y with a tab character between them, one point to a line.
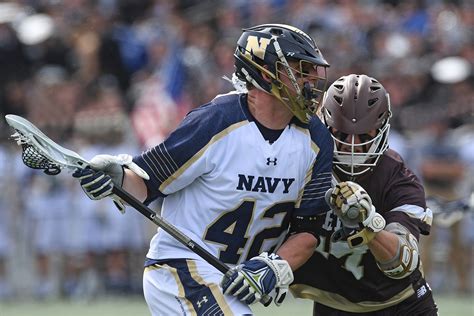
299	39
338	87
374	88
338	99
372	102
276	32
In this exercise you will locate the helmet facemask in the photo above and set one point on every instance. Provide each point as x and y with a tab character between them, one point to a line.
355	158
300	89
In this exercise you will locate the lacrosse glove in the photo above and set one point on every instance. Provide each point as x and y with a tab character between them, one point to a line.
260	275
104	172
351	203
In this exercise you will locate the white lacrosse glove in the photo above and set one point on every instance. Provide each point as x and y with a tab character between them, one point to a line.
354	207
260	275
106	171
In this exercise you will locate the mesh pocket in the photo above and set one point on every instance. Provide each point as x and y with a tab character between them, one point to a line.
33	159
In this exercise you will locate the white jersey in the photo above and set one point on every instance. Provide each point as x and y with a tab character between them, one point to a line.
230	190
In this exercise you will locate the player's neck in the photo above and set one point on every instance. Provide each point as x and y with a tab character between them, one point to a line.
267	110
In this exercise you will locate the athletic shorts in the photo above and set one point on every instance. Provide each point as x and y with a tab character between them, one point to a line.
187	287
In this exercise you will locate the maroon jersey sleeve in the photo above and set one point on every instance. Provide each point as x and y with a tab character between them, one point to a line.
398	194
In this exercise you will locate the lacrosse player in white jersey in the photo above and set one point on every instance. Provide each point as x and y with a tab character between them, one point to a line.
244	176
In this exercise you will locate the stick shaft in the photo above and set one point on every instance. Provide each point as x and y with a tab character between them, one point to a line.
175	233
170	229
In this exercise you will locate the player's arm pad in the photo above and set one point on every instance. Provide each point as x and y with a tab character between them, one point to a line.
407	257
304	224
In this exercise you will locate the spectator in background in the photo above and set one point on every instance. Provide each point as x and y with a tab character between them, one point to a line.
443	172
111	241
47	208
9	202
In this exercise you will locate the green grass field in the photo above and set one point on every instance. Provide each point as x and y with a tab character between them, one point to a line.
449	306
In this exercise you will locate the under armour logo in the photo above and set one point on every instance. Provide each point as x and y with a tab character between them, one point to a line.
269	161
204	300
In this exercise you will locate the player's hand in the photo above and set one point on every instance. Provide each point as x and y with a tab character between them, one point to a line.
354	207
260	275
96	184
104	172
350	202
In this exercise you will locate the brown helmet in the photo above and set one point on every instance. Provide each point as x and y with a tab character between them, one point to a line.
356	105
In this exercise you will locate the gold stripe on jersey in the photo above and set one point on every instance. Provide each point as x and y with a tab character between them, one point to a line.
314	146
216	292
201	152
339	302
307	179
174	273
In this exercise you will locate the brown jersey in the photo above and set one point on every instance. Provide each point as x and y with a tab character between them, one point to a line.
349	279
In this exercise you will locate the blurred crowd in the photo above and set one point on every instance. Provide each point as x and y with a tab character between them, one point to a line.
116	76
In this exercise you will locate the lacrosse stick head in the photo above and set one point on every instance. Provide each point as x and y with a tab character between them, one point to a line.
39	151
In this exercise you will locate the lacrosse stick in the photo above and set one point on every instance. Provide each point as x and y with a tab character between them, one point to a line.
40	152
447	213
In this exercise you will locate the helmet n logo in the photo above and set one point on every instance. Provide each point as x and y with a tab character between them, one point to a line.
256	47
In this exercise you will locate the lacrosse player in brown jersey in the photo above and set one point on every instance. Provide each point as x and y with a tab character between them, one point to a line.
367	261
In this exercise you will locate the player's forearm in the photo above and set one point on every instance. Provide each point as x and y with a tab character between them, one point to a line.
384	246
297	249
135	185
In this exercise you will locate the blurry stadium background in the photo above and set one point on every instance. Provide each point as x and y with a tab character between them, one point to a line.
116	76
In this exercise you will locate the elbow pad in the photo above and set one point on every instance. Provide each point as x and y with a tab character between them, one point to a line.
407	258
